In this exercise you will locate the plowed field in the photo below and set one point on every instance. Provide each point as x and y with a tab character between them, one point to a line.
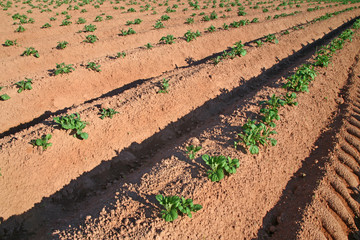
169	95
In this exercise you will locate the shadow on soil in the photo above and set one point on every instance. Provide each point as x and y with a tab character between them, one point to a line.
100	185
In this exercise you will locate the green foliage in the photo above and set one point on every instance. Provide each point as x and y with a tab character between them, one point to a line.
164	18
218	165
271	38
127	32
108	112
42	142
158	25
259	43
109	17
225	26
73	122
81	20
91	39
169	39
120	54
93	66
300	81
52	19
24	85
136	21
189	35
289	99
89	28
62	44
10	43
356	24
65	22
31	51
217	60
271	109
46	25
63	68
255	134
174	204
241	13
20	29
4	97
164	86
210	29
149	46
98	19
192	150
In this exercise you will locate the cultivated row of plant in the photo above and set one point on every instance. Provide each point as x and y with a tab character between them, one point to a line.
257	132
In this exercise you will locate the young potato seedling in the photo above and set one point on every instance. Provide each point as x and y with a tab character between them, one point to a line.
20	29
62	45
218	165
63	68
192	150
89	28
91	39
174	205
31	51
24	85
164	86
121	54
4	97
81	21
93	66
255	134
46	25
10	43
149	46
108	112
189	35
169	39
73	122
42	142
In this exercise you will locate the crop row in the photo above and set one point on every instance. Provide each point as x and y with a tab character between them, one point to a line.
258	132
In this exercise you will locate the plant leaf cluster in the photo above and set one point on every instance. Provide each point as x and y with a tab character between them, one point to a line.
42	142
192	150
24	85
73	122
108	112
219	166
175	205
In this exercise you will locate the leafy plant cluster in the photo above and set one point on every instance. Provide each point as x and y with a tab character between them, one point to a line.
62	68
73	122
24	85
175	205
189	35
219	166
31	51
42	142
236	50
10	43
130	31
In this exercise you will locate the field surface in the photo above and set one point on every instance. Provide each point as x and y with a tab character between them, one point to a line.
108	104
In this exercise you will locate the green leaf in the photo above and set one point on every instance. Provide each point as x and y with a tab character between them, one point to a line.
254	149
4	97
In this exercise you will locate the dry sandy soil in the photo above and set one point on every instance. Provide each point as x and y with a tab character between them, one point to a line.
104	187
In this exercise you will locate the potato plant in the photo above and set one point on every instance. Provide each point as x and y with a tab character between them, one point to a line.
73	122
10	43
31	51
175	205
89	28
4	97
169	39
130	31
108	112
91	39
24	85
164	86
189	35
63	68
20	29
62	44
192	150
46	25
255	134
93	66
219	165
42	142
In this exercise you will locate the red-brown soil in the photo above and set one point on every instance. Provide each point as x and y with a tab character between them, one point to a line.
305	187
